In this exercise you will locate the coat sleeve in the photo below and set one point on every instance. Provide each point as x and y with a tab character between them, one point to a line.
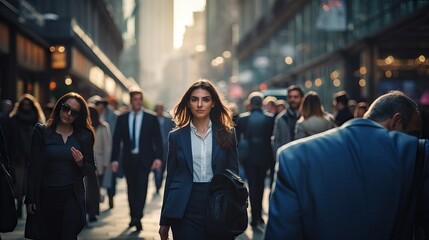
284	221
233	155
171	171
157	139
35	163
281	133
88	154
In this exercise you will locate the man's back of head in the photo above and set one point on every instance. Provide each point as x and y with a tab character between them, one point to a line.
396	111
256	99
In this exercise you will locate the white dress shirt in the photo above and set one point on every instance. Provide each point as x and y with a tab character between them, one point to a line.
202	154
139	121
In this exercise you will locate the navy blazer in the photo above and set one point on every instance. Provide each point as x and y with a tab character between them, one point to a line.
150	144
178	184
351	182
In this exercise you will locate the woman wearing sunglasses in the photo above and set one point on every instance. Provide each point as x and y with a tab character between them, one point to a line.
61	154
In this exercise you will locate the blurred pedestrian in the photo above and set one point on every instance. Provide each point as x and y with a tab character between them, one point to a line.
204	145
284	126
285	122
360	109
354	182
342	110
166	125
313	118
256	126
8	217
107	117
140	134
102	154
25	115
61	155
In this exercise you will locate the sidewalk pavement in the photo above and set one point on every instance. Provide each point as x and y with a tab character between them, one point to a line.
113	223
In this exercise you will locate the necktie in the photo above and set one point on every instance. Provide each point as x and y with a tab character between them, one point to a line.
133	132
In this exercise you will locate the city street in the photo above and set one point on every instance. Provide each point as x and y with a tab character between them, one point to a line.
113	223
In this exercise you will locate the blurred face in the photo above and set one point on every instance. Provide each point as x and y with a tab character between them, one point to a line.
200	103
137	102
159	110
294	99
271	107
70	109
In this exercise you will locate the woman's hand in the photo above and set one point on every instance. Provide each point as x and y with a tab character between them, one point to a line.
163	232
31	208
78	157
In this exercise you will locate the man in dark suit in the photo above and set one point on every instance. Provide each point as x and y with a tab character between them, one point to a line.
257	127
166	125
140	135
355	181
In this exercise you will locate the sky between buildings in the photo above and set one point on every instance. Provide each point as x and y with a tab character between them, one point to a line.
183	10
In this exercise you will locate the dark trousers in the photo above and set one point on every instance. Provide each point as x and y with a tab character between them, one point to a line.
137	179
192	225
158	175
61	212
256	180
111	192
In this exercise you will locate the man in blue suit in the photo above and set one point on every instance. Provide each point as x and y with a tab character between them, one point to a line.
140	135
352	182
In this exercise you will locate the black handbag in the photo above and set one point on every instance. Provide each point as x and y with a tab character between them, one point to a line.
8	217
226	214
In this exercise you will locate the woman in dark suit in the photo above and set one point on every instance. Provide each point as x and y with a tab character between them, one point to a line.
61	154
203	145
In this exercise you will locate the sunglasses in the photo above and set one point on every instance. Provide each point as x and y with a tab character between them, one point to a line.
66	108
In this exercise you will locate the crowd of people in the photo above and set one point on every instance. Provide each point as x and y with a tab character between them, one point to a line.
330	174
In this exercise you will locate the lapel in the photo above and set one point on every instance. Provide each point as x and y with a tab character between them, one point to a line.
142	125
127	126
215	146
185	139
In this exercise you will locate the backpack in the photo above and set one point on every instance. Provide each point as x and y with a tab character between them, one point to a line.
227	205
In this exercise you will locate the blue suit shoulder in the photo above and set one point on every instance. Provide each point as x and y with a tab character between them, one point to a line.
243	115
180	130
